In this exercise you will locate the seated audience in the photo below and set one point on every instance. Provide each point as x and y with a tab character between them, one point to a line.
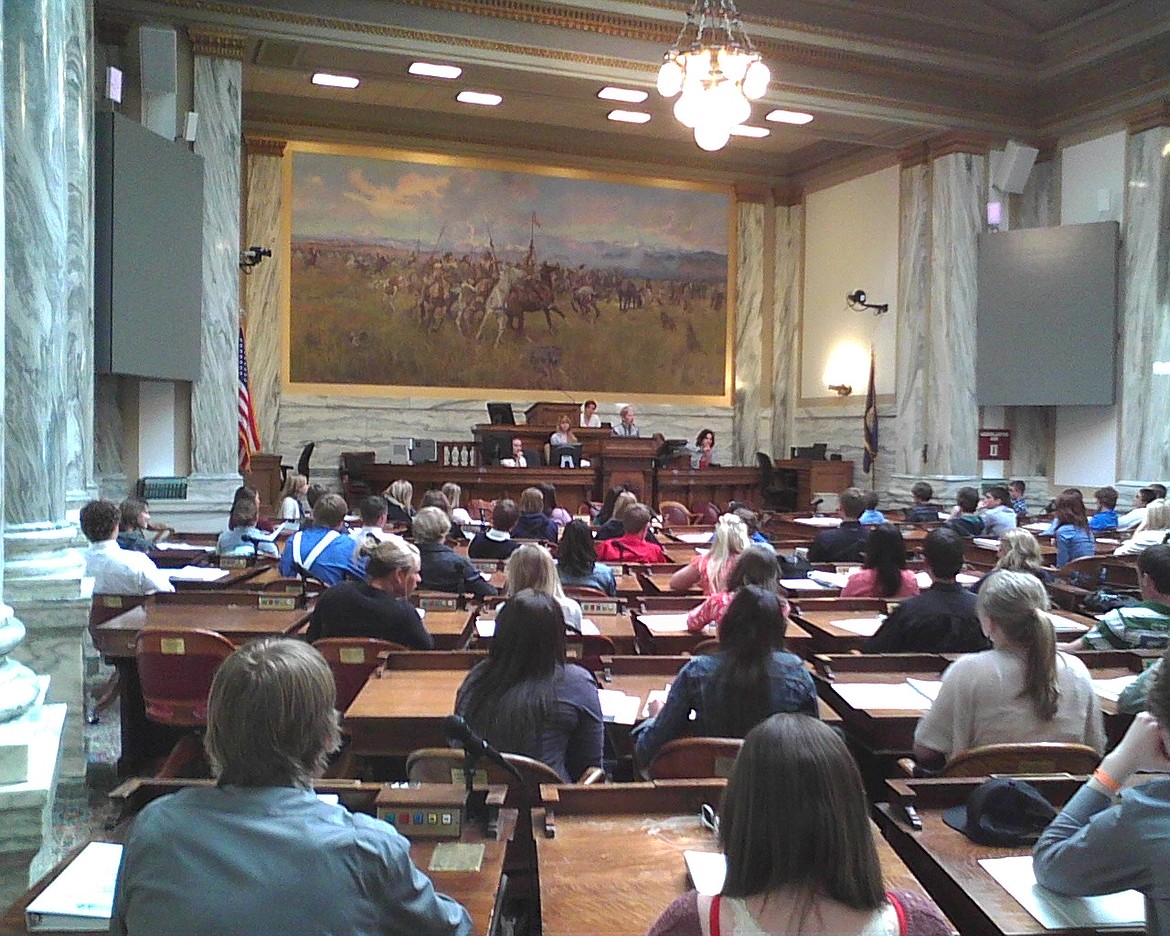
531	568
436	498
997	514
497	542
1019	501
710	570
1106	516
1023	689
871	516
258	852
964	520
322	550
247	492
627	427
519	458
1154	529
753	524
757	565
243	537
373	511
801	854
589	417
135	525
534	523
442	568
632	545
612	526
607	505
922	510
1107	838
400	503
526	699
454	493
564	434
732	691
1070	528
940	620
703	453
846	542
292	498
1137	514
577	564
114	570
883	570
559	515
1147	624
1019	551
376	607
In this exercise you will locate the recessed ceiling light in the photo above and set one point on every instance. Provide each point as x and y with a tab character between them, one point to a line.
626	116
625	95
746	130
790	117
478	97
426	69
335	81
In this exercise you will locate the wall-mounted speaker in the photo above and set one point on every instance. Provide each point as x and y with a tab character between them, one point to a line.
158	60
1011	175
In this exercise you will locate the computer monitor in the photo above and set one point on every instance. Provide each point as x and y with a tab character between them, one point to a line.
494	446
565	456
500	414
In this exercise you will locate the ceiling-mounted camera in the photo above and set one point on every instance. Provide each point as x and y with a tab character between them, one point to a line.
252	256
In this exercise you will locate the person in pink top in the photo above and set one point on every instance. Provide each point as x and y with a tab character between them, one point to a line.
883	573
757	565
710	570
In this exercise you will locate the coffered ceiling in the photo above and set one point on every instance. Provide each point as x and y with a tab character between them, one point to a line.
877	76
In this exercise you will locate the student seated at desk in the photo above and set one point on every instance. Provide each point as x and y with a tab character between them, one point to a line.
496	543
116	571
1106	516
525	699
612	526
442	568
1069	528
377	607
292	498
400	503
1146	624
258	852
940	620
757	565
534	523
247	492
883	571
922	510
373	512
1130	520
1023	689
710	570
322	550
997	512
801	856
1152	531
964	520
1019	551
135	525
559	515
632	546
730	692
531	568
845	543
577	565
1019	501
871	516
243	537
1107	839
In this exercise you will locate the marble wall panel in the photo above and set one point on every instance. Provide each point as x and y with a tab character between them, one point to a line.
958	194
1144	436
786	313
913	311
214	449
841	426
748	334
108	440
1039	204
262	294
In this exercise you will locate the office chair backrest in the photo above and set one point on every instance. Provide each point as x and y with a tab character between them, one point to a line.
352	660
176	667
303	461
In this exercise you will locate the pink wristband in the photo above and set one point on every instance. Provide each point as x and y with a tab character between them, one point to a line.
1106	781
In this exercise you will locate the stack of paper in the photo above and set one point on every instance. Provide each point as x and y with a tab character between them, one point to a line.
82	896
985	542
665	623
655	695
706	871
822	522
1055	911
197	574
1035	527
695	539
862	626
619	708
1111	689
184	546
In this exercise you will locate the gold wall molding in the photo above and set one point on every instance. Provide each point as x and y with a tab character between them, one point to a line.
217	43
264	146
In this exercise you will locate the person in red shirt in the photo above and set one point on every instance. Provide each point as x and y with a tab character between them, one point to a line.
633	545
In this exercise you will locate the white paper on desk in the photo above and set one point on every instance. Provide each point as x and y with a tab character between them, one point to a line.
184	546
1111	689
589	628
619	708
923	579
944	516
1055	911
828	579
824	522
655	695
706	871
928	687
1035	527
803	584
863	627
82	894
877	697
197	574
695	539
485	627
665	623
1066	627
986	542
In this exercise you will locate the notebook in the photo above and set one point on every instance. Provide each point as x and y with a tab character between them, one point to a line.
82	896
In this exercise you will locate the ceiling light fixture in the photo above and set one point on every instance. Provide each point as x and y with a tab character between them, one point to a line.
747	130
717	70
478	97
625	95
427	70
789	117
625	116
327	80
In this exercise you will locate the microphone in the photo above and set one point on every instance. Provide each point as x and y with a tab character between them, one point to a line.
815	504
456	729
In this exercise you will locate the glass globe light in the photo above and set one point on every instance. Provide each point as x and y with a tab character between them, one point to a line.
712	137
734	63
687	108
755	81
670	77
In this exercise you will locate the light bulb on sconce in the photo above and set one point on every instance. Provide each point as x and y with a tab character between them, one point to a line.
842	390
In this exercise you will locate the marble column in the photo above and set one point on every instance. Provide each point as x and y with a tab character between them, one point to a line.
749	288
218	75
1143	433
787	262
913	313
263	206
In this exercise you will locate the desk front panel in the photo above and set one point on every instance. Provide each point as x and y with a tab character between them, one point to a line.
715	485
574	485
238	623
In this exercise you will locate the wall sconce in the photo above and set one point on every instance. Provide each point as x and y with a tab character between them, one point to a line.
842	390
857	300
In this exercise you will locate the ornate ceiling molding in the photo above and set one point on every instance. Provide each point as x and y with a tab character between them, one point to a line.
1148	118
264	146
217	43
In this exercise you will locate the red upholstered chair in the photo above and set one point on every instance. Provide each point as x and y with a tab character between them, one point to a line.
103	608
705	513
352	660
674	513
695	758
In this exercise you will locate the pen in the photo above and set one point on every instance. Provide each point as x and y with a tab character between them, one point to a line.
913	818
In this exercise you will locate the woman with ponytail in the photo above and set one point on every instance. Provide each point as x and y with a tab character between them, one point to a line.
1022	689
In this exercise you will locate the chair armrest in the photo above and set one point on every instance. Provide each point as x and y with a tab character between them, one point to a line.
907	766
592	775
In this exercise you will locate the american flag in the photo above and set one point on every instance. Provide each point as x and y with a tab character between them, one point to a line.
249	434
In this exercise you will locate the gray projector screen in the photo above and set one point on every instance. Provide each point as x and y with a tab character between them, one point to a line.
1047	316
148	252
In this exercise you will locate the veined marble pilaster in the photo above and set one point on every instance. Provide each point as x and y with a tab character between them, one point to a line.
748	334
788	262
1144	435
262	287
958	194
214	450
914	273
1040	202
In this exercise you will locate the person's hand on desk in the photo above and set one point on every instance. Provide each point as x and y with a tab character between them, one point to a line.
653	707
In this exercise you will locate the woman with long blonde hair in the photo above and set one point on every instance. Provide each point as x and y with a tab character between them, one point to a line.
711	570
532	567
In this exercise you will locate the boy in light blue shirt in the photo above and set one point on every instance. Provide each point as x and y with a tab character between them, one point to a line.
871	515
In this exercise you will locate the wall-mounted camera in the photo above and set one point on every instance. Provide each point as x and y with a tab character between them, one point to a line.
252	256
858	300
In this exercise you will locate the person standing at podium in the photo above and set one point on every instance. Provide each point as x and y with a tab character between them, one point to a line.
627	429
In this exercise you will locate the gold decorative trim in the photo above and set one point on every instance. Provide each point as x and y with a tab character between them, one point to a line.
977	144
217	43
264	146
1148	118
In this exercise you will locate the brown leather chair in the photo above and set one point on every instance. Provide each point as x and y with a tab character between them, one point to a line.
694	758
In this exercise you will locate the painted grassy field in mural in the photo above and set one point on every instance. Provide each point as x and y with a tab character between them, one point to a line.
528	296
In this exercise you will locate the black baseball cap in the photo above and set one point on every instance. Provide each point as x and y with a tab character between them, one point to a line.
1003	811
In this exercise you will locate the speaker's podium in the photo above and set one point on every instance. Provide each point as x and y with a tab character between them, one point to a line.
629	462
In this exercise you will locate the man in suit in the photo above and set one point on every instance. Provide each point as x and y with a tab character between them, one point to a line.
846	542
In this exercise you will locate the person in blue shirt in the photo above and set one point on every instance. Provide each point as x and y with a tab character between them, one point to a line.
1019	501
323	550
243	537
871	516
1106	516
1070	528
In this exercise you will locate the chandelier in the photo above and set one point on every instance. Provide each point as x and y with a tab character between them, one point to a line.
717	70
